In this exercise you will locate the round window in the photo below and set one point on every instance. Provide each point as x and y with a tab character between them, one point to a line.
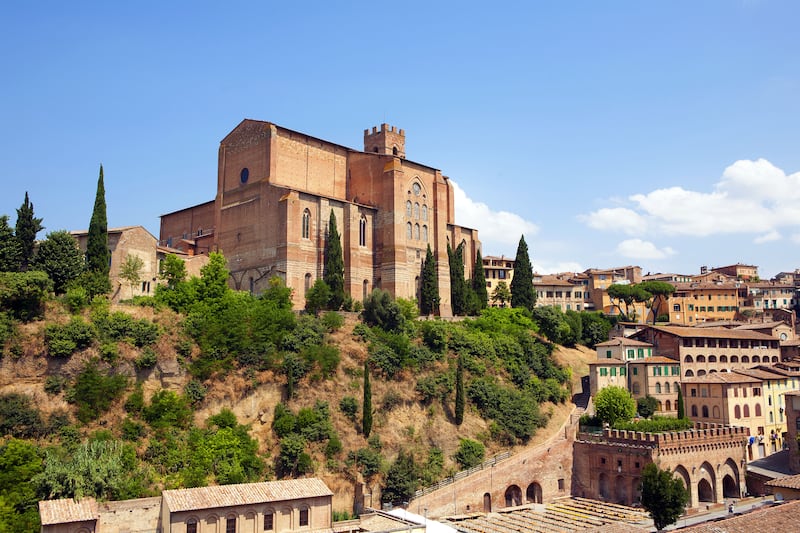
416	188
244	175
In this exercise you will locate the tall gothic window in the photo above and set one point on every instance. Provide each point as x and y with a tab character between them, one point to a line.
306	223
408	230
362	232
416	211
416	231
424	212
425	233
408	208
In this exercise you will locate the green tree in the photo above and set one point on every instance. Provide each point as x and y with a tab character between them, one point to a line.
366	407
458	285
401	480
522	293
23	294
172	270
469	453
501	294
97	254
60	257
381	311
664	496
614	404
646	406
94	391
20	462
480	296
318	297
333	268
213	283
429	291
10	248
27	228
659	291
460	398
681	408
627	295
131	270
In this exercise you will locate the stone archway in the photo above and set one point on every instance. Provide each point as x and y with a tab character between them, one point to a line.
683	474
603	486
513	496
487	503
707	474
533	494
730	488
621	490
704	491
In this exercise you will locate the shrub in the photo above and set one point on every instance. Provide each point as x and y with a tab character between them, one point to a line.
332	321
76	299
23	293
147	359
19	417
168	409
325	356
109	352
54	384
390	400
334	446
514	412
658	424
434	335
381	311
195	391
349	407
63	341
94	391
469	453
132	430
121	326
367	460
435	386
135	402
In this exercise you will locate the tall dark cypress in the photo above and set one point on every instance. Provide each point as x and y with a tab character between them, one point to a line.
681	408
429	292
460	400
458	285
27	228
333	269
366	407
479	283
522	293
97	254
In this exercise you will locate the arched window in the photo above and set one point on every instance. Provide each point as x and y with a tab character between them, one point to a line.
694	410
688	359
230	524
362	231
306	283
408	208
712	358
191	525
756	359
424	212
394	150
701	358
416	231
758	409
636	389
306	223
705	411
659	407
303	522
668	405
689	374
715	411
723	358
701	373
425	233
737	412
746	411
745	359
734	359
658	388
416	210
666	389
408	230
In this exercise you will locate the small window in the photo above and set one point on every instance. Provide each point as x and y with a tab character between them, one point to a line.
425	234
191	526
408	230
408	208
362	232
269	522
303	517
306	224
416	231
230	525
424	212
244	175
416	211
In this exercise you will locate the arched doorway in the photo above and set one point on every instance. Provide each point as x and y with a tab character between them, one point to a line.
636	490
487	503
683	474
603	486
513	496
704	491
621	490
730	489
534	493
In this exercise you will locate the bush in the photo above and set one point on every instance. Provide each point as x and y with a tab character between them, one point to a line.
390	400
469	453
109	352
435	386
434	335
54	384
135	402
325	356
168	409
63	341
658	424
23	293
381	311
76	299
349	407
514	412
367	460
132	430
332	321
147	359
94	391
119	326
19	417
195	391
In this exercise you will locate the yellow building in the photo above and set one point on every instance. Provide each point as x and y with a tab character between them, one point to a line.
700	302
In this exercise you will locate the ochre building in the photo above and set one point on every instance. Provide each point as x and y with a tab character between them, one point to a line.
276	190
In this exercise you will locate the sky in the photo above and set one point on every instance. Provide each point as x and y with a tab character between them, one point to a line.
658	134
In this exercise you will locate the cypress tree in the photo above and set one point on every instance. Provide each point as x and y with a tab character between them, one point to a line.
97	254
681	408
366	407
458	285
10	252
429	292
459	392
333	269
27	228
522	293
479	284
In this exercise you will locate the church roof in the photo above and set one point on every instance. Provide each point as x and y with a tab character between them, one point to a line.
67	510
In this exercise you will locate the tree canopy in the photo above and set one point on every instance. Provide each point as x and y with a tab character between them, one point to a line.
614	404
333	268
59	257
479	299
429	291
458	285
27	228
664	496
522	291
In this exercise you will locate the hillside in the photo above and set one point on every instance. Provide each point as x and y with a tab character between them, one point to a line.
402	421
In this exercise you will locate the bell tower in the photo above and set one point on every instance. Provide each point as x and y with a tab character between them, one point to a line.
387	141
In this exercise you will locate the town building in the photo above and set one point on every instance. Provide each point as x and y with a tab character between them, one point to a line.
558	291
277	189
698	302
769	295
739	271
497	270
598	281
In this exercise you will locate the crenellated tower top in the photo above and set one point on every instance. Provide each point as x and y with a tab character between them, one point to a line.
387	141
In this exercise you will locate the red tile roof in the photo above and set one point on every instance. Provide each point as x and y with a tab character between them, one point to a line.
244	494
67	510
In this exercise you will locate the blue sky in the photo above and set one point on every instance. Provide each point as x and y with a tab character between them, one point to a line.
663	134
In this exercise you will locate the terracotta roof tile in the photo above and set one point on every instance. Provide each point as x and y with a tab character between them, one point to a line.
688	331
67	510
722	377
777	519
788	482
244	494
624	341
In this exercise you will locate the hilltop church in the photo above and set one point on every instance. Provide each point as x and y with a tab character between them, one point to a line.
276	189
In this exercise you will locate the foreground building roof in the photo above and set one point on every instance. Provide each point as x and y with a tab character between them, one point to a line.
244	494
67	511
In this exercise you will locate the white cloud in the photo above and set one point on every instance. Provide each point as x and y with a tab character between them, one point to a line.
767	237
639	249
617	218
550	267
751	197
498	230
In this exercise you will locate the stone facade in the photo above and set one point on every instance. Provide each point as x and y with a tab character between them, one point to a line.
710	460
277	188
793	429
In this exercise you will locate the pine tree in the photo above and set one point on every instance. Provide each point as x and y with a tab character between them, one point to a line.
333	269
10	250
459	392
429	292
27	228
97	254
366	407
481	295
60	258
458	285
522	293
